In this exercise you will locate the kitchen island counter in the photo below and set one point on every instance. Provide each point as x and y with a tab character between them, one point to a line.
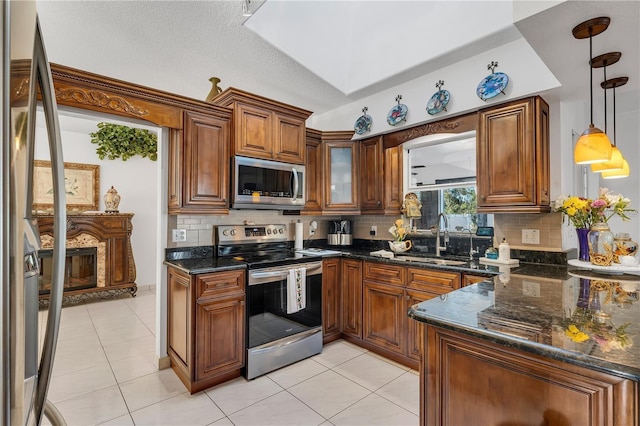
535	348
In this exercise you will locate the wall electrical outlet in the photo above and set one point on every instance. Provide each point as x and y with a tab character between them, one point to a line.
179	235
530	236
373	231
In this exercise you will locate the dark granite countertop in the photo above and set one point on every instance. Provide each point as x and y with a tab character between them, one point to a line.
205	265
579	317
199	260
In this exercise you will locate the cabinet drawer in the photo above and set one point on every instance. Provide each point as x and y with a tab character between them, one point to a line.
219	284
384	273
432	280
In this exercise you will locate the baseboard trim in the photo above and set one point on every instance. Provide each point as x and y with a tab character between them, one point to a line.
163	363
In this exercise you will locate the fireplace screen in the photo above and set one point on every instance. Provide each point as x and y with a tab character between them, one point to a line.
80	271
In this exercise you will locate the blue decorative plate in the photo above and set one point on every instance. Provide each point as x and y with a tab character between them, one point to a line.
362	124
438	102
492	85
397	114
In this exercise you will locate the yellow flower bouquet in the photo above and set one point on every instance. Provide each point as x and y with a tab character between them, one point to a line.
399	230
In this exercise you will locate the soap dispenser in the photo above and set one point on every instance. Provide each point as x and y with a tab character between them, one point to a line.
504	252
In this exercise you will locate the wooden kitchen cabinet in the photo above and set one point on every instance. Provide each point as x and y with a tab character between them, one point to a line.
383	306
457	365
314	169
198	167
380	178
513	157
264	128
371	176
331	306
351	292
340	173
206	326
468	279
393	170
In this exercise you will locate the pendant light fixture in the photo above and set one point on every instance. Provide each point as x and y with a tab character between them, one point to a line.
624	171
615	163
593	146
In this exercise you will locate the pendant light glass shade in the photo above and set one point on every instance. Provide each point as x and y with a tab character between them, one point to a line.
617	174
593	146
615	163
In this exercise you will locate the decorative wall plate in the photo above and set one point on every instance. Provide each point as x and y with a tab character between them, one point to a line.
398	113
439	100
493	84
363	123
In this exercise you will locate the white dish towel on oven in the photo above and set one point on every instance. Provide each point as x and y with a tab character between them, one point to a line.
296	290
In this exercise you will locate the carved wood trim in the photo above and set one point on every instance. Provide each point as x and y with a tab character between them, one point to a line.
85	90
460	124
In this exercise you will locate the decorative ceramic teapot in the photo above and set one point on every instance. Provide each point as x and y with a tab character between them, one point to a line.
400	246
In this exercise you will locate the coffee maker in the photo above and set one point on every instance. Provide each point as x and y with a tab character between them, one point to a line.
339	233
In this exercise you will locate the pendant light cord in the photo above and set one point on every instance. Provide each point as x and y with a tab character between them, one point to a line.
605	95
614	115
591	72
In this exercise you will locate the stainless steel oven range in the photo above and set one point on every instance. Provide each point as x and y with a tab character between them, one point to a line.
284	296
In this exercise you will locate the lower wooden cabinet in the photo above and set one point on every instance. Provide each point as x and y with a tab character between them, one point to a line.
414	328
351	274
331	306
206	326
384	316
468	279
466	380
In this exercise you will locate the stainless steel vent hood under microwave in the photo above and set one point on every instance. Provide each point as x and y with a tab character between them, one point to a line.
264	184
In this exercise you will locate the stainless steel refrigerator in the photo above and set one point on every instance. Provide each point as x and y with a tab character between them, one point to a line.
26	82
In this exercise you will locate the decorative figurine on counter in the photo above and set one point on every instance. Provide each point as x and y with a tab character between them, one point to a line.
411	207
111	200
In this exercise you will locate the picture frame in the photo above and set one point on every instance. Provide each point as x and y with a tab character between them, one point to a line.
82	186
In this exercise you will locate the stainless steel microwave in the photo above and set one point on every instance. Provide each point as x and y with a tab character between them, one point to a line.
264	184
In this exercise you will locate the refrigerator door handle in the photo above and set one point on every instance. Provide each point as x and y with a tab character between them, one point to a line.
41	75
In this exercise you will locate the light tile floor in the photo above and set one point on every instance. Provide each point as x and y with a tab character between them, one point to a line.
104	373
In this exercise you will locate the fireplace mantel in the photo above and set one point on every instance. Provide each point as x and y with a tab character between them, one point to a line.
111	233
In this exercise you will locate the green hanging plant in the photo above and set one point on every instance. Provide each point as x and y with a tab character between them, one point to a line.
117	141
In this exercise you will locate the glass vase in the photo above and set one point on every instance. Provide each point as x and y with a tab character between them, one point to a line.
600	244
583	244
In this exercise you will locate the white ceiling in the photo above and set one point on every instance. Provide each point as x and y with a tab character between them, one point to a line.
320	55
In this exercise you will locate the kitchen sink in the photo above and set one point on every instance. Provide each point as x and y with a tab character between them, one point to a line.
417	259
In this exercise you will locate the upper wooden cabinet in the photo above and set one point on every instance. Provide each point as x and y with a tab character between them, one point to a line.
371	176
264	128
380	178
314	169
340	162
513	157
199	165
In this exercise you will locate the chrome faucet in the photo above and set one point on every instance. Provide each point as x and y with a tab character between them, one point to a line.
471	250
445	220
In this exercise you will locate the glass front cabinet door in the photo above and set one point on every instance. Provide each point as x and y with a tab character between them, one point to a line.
341	159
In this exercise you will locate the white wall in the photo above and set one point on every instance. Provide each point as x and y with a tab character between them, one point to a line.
135	180
461	80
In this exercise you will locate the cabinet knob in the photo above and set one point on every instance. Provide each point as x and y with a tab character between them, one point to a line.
224	200
242	303
378	202
407	297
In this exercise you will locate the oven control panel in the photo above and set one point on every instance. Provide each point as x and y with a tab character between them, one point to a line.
251	233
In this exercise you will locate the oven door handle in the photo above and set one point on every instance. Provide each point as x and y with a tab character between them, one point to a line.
279	274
